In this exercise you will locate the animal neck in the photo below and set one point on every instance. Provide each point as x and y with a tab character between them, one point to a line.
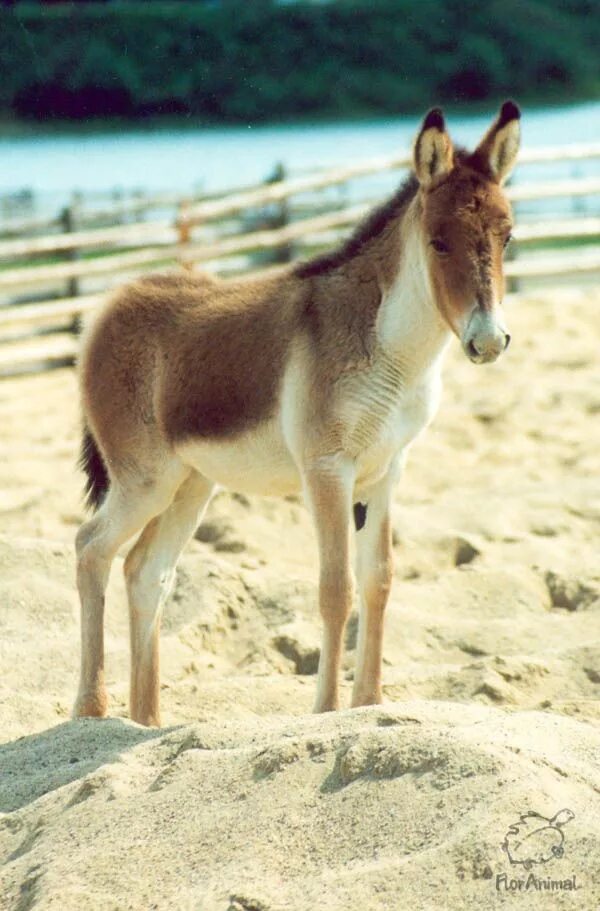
410	329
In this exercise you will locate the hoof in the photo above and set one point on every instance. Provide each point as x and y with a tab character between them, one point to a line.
326	705
361	700
149	721
91	705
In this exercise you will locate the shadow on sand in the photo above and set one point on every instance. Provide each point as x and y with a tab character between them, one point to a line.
40	763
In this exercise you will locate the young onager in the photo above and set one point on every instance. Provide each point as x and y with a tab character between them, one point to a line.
316	378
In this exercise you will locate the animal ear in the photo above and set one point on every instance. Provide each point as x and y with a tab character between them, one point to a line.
499	147
433	153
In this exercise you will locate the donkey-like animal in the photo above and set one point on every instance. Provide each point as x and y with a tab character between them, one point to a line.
315	378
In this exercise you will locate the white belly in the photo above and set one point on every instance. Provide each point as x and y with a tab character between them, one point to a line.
254	462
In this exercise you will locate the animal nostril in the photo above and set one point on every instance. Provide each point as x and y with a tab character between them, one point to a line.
472	349
506	340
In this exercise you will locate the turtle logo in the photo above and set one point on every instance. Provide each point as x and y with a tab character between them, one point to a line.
535	839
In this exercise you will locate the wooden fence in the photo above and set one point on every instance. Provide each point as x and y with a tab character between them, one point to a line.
43	300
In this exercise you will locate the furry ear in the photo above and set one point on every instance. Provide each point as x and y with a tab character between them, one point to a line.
433	153
499	147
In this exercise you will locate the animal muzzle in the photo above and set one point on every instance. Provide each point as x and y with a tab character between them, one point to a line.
484	338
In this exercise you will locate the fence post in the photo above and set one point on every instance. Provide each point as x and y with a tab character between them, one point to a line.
183	226
139	214
280	217
117	198
68	220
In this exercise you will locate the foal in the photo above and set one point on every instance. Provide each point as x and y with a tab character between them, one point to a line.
316	379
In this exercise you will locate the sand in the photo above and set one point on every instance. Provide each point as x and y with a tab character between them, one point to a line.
244	801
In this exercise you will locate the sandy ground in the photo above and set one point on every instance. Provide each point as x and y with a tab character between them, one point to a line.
246	802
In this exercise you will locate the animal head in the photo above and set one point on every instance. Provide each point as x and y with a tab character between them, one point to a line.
562	818
466	225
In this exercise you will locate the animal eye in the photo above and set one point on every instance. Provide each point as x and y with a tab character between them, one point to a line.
439	246
507	240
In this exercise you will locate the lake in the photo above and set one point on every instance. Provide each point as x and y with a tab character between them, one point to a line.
54	163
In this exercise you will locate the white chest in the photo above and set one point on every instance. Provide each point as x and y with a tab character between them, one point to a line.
384	411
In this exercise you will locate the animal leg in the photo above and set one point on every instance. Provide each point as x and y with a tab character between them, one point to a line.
328	487
149	574
127	508
374	567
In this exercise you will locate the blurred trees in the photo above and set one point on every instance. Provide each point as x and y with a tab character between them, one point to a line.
242	61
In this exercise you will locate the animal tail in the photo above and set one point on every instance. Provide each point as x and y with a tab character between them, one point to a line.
93	465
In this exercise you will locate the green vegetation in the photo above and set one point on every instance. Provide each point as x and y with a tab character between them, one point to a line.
251	61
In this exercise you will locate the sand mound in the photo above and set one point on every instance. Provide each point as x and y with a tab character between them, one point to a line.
381	808
244	801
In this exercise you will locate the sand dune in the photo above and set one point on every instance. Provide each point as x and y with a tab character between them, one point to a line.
244	801
395	807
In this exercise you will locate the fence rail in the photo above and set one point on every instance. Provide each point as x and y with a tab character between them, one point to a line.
250	224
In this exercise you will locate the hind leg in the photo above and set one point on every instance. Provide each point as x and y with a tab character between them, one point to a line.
129	505
149	573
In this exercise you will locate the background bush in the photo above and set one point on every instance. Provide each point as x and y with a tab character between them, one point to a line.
251	61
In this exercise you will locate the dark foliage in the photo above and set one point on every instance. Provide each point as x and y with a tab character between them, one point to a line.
238	61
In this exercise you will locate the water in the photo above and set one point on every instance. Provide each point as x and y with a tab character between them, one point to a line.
168	158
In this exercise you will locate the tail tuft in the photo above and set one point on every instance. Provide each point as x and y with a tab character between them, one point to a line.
91	462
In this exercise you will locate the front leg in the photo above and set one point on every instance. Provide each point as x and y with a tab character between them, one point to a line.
374	566
328	488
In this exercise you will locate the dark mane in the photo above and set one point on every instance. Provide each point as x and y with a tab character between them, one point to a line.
371	227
